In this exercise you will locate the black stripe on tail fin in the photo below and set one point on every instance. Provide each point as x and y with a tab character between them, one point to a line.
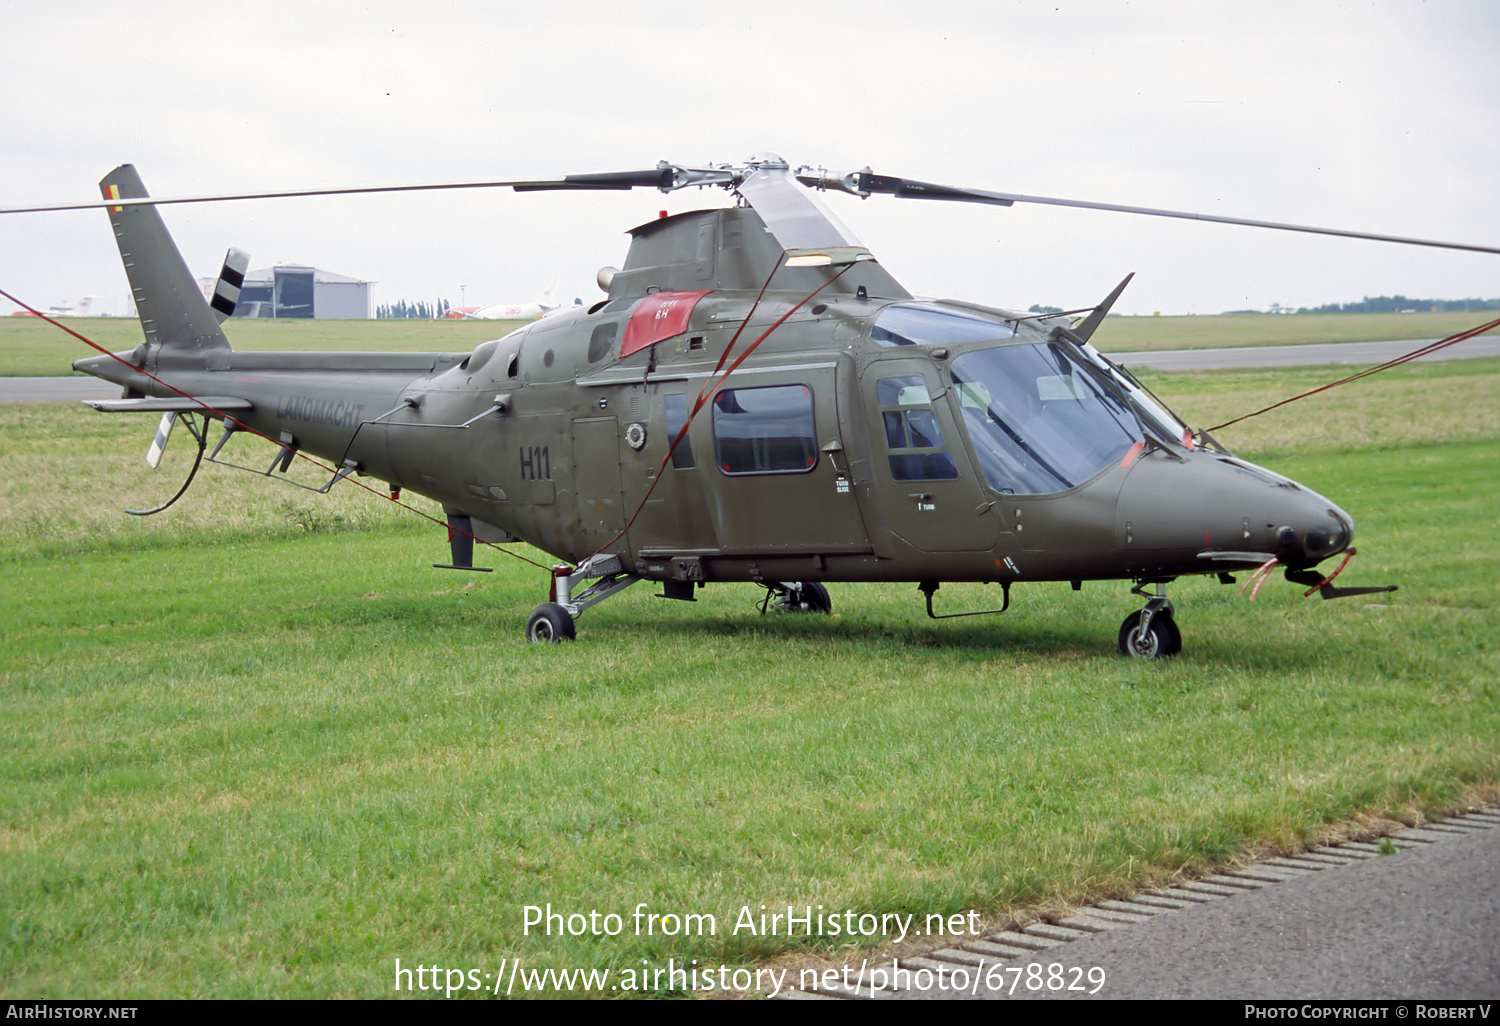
174	314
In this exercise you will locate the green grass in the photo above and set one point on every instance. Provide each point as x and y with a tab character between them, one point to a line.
30	347
257	749
1417	403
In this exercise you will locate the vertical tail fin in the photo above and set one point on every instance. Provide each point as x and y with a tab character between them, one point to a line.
545	299
173	311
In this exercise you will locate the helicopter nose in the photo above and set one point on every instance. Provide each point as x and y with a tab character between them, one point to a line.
1321	535
1211	507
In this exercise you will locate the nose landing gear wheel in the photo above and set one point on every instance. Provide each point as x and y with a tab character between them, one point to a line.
550	623
1158	641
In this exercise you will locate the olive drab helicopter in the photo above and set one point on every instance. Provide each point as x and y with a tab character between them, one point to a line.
754	400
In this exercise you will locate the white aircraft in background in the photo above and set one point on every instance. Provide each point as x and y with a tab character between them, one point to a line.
508	311
78	309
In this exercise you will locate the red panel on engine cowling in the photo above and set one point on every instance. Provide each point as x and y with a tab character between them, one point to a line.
659	316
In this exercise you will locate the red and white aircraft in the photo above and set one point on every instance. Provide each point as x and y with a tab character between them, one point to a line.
508	311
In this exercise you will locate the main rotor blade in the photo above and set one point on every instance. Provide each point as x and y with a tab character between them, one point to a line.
656	178
910	189
621	180
667	177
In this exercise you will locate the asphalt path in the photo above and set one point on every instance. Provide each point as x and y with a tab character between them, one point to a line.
1420	925
55	390
77	387
1311	354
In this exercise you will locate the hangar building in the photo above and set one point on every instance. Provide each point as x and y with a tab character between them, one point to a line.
293	291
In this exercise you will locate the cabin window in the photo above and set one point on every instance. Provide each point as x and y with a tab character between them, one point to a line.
677	415
765	430
912	433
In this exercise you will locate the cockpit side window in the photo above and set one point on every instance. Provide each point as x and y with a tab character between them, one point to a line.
1039	422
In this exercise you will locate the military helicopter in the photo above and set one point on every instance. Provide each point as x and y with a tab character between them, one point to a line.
755	400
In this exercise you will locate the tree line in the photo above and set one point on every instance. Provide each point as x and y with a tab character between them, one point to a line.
420	309
1395	304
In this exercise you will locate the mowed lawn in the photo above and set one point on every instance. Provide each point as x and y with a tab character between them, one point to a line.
30	347
257	747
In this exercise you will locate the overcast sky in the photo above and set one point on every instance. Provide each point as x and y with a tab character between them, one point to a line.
1379	115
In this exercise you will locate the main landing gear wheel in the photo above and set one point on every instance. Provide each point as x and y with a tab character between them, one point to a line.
1160	639
799	597
550	622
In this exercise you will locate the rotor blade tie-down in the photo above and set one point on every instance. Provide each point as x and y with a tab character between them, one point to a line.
1415	354
688	422
711	386
202	438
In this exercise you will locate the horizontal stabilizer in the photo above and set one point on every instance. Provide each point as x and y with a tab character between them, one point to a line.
175	404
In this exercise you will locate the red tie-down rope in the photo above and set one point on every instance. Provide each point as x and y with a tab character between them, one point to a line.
1261	575
715	382
1431	347
240	425
1263	572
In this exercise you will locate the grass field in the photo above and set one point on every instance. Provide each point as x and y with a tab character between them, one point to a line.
257	747
31	347
1135	334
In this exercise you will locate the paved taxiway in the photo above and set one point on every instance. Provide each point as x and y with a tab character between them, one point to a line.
1308	355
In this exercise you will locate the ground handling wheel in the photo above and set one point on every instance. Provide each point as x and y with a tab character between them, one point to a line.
550	622
1160	640
814	599
798	597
